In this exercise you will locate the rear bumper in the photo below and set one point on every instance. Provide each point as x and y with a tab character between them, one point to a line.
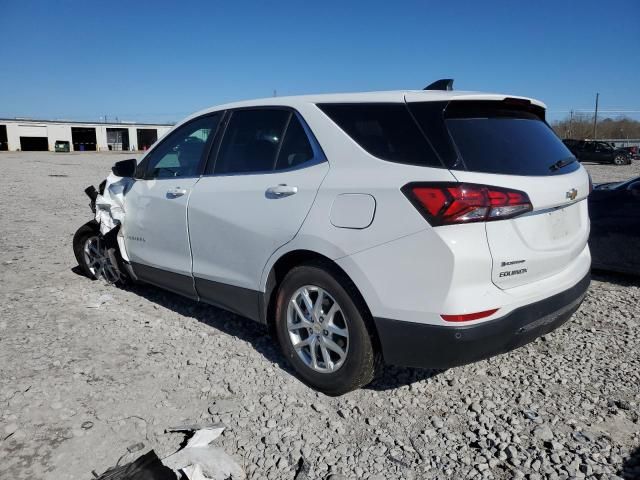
434	346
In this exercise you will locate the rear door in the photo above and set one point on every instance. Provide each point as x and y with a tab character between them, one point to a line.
604	152
155	229
258	189
509	145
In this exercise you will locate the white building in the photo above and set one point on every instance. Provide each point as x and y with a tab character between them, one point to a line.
30	135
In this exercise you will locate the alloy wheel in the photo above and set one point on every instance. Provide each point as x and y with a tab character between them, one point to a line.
317	329
97	259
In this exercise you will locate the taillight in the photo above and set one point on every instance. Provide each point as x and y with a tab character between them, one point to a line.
451	203
590	183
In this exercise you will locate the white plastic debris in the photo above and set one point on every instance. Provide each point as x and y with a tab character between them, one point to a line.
200	461
106	298
110	205
194	472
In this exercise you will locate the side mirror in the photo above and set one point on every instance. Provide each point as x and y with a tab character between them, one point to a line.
125	168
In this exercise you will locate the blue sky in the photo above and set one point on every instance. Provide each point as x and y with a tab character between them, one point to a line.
159	61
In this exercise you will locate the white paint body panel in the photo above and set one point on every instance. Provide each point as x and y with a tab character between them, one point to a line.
549	238
155	231
235	226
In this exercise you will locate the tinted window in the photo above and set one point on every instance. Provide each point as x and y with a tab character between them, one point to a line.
180	153
251	141
386	131
603	147
510	146
296	148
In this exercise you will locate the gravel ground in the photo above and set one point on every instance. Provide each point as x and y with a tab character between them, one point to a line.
87	369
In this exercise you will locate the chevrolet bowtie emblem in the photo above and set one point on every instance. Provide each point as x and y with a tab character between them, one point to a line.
572	194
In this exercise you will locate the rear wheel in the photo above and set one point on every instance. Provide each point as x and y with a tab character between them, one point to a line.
322	330
620	160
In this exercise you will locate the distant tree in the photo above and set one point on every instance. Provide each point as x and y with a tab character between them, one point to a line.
581	127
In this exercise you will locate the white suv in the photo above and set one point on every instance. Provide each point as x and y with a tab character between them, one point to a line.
421	228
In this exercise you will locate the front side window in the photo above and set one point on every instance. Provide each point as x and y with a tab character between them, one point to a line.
180	154
251	141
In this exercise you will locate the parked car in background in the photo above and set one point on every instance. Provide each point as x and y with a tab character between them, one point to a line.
598	152
418	228
62	146
614	209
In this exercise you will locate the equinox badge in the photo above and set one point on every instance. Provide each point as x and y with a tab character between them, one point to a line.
572	194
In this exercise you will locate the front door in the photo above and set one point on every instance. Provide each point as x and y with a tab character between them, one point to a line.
252	201
155	226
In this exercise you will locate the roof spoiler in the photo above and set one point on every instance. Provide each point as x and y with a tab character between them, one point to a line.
442	84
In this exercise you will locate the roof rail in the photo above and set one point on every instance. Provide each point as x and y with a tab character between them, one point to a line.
442	84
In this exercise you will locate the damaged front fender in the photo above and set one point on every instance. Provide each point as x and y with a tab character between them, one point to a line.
109	205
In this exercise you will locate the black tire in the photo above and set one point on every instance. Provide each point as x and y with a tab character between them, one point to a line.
361	359
621	160
92	229
86	231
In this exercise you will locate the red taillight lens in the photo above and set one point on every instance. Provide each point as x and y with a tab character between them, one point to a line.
451	203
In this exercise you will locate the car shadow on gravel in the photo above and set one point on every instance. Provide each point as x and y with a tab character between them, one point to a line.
631	466
621	279
259	336
256	334
391	377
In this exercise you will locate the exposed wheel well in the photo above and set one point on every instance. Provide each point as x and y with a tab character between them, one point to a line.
299	257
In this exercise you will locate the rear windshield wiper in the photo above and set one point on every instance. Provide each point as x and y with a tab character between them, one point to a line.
562	163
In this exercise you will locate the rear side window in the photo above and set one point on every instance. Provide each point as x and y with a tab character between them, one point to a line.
296	148
491	137
251	141
386	131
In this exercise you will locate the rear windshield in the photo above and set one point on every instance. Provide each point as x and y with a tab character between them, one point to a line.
478	136
491	137
511	146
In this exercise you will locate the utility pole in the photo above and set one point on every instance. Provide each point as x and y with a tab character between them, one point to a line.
275	93
571	124
595	118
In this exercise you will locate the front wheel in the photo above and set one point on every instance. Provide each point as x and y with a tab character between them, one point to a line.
322	330
95	258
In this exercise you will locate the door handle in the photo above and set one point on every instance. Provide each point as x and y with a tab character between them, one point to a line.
281	190
176	192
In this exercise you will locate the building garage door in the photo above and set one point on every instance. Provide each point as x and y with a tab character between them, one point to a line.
146	137
83	139
34	144
4	141
118	139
